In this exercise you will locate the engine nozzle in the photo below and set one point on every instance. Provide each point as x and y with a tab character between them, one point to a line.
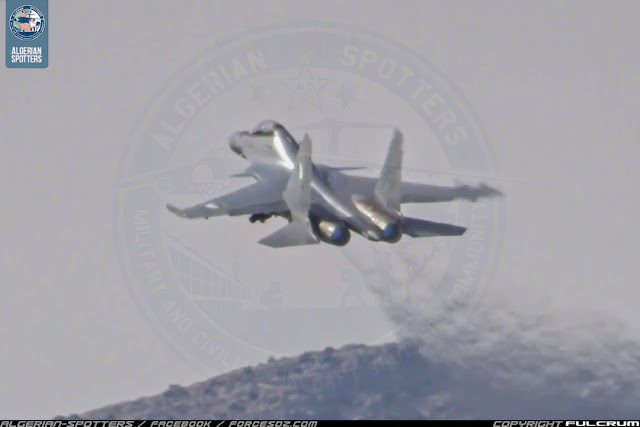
333	232
389	224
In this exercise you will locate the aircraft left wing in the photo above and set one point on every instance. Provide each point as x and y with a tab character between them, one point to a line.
263	196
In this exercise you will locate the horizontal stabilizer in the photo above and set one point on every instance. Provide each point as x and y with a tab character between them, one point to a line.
293	234
415	227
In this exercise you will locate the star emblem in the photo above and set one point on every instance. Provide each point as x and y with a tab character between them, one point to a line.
305	88
346	95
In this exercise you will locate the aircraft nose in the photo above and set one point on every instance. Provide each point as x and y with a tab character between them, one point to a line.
234	142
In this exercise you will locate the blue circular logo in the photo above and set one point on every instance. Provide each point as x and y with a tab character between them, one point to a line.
27	22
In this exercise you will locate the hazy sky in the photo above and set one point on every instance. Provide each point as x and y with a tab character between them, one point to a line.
554	86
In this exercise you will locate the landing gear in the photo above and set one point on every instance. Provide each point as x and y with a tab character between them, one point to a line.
262	217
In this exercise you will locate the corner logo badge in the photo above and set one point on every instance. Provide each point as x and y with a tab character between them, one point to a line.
27	39
27	22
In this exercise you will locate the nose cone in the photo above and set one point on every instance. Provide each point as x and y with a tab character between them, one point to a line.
235	142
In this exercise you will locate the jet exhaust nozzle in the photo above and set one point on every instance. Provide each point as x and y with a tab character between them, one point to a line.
332	232
389	224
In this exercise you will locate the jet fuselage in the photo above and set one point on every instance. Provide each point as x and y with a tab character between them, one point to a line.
270	145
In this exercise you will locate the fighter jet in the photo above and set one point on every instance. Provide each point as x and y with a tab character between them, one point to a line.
322	203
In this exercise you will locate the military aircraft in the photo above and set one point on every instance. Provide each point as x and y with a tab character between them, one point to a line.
320	202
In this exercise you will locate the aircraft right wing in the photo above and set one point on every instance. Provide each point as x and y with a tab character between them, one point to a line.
426	193
411	192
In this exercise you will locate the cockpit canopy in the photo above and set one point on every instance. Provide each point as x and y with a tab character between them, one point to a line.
266	127
268	140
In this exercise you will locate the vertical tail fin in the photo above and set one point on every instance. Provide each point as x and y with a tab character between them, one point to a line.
297	195
388	188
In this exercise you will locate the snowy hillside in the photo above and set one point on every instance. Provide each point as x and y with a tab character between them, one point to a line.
358	381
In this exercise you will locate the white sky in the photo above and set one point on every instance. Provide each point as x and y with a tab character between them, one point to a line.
556	87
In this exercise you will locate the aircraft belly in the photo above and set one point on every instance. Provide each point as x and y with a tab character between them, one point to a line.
343	210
